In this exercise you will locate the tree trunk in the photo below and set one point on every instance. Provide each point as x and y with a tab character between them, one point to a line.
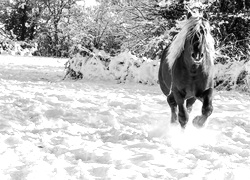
24	19
56	39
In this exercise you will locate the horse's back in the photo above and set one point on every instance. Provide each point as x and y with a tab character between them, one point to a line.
164	74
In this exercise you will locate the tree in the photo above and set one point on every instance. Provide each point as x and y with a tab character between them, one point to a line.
55	11
233	6
97	27
20	17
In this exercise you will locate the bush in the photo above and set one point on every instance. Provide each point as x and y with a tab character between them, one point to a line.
122	68
126	67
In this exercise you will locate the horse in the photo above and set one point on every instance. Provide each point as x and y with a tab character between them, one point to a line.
186	70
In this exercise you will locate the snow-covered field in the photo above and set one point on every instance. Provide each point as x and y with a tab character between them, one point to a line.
67	130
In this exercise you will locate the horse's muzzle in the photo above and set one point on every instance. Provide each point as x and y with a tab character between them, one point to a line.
194	67
197	58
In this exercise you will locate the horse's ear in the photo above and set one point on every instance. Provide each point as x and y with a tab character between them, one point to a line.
205	15
189	15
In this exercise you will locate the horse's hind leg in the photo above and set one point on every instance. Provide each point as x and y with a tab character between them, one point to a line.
189	104
173	105
207	108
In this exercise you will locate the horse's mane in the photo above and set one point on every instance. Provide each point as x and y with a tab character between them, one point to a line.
188	28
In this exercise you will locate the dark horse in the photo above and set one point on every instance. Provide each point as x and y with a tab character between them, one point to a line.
186	70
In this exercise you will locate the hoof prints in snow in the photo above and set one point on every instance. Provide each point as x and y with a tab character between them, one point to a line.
57	129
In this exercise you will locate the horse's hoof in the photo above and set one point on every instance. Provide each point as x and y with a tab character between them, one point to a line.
189	109
175	123
199	121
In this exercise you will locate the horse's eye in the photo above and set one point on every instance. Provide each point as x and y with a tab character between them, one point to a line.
202	55
193	55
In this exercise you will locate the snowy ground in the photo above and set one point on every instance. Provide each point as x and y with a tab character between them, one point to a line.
67	130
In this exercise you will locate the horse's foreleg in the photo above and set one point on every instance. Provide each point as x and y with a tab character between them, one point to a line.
173	105
207	108
182	114
189	104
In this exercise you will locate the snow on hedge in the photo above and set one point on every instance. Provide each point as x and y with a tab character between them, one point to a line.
10	47
233	74
126	67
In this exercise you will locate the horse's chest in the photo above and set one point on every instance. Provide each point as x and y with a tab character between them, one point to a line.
190	84
195	86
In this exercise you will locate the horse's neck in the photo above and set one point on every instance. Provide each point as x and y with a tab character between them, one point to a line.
164	53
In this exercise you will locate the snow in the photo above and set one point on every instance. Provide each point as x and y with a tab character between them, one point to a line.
230	72
95	129
87	3
126	67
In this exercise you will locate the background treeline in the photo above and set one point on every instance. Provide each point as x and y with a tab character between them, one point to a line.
143	26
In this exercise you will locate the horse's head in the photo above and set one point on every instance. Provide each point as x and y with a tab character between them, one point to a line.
195	42
196	46
199	43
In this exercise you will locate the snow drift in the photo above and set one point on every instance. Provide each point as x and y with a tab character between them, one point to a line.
100	130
